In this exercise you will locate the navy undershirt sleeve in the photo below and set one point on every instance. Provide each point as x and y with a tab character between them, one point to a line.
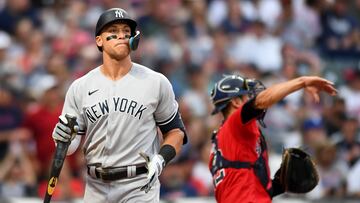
176	122
249	112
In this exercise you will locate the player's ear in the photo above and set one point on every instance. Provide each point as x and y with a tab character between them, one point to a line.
99	41
236	102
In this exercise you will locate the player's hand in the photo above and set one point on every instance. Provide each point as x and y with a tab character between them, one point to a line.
63	132
155	166
314	85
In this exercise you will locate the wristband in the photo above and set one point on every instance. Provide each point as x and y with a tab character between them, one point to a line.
167	152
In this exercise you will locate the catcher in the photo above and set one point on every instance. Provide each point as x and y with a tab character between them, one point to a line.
239	157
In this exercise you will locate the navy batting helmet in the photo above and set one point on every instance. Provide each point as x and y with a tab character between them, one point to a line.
231	86
118	14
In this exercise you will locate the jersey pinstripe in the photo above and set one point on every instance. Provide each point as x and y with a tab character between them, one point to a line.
119	118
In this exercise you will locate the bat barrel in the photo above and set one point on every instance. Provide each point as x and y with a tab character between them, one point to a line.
58	161
57	164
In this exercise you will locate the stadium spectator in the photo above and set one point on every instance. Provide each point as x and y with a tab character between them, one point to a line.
348	144
235	22
258	47
340	32
332	173
351	91
353	181
334	115
40	120
201	175
14	11
11	117
313	134
299	25
17	175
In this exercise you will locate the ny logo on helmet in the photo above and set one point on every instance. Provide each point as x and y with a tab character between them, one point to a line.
119	14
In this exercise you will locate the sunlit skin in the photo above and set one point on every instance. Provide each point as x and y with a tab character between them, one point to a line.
116	52
116	48
312	85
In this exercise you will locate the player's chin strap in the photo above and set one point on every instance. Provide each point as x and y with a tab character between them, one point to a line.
133	40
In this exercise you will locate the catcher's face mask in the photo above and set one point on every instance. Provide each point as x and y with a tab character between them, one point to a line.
233	86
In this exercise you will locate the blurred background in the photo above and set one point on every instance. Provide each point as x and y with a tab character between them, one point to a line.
47	44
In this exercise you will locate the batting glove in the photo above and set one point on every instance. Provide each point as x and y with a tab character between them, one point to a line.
63	132
155	166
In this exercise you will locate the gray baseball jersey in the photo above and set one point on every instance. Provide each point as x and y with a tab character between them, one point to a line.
119	118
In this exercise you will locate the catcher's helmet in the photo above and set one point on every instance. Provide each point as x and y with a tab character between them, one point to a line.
231	86
118	14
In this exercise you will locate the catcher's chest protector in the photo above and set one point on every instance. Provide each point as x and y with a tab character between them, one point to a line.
260	167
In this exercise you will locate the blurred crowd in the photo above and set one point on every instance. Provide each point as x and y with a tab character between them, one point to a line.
47	44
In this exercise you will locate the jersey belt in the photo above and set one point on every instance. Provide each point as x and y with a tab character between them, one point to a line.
117	173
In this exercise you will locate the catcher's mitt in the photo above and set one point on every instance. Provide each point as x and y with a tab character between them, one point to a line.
298	173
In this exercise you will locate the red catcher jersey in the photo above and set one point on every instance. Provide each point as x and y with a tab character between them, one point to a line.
239	142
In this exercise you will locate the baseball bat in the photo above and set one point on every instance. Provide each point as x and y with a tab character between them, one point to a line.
58	161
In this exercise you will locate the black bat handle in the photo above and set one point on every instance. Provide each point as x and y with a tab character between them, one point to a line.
71	122
59	157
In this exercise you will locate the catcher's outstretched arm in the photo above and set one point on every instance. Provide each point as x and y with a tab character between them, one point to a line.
311	84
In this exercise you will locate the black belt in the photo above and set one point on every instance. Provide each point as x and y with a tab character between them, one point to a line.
109	174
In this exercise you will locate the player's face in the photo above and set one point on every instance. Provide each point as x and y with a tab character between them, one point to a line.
114	40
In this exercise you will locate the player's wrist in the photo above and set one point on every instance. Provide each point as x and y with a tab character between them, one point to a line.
303	81
161	163
167	152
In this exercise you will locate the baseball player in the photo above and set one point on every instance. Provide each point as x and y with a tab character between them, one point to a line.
239	157
119	107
